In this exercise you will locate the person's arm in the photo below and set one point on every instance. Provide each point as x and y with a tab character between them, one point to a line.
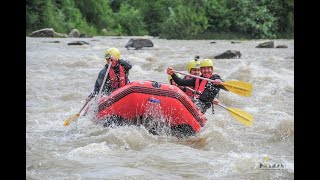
98	83
92	94
222	87
126	64
218	82
95	90
215	101
179	81
183	82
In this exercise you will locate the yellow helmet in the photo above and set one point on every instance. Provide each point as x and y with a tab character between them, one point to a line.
112	52
206	63
169	77
193	64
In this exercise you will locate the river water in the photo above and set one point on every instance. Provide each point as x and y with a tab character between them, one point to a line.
59	77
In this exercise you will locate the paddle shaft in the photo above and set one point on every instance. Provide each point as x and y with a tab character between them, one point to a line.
105	77
84	105
223	106
224	84
193	76
230	110
104	80
189	88
67	122
218	103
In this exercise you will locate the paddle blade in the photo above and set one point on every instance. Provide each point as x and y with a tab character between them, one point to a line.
239	87
242	116
71	118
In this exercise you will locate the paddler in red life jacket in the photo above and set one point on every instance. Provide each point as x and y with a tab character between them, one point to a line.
117	76
206	92
194	69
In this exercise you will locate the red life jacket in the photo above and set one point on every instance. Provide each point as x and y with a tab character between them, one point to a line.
113	77
200	87
188	91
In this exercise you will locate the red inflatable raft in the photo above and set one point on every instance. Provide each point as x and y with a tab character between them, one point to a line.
151	103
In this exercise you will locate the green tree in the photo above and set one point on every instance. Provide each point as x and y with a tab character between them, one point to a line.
183	22
34	12
130	21
284	11
179	19
250	18
218	15
153	17
98	14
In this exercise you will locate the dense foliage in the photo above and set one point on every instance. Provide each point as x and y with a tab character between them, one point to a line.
179	19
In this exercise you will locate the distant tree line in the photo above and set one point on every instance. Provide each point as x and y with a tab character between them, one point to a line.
169	19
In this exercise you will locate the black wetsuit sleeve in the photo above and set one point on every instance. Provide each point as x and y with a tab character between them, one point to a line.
220	86
126	64
183	82
99	80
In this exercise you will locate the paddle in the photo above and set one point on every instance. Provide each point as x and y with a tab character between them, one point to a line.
75	117
105	77
238	87
240	115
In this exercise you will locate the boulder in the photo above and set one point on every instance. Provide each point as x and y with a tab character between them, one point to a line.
46	32
77	43
138	43
282	46
269	44
74	33
230	54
